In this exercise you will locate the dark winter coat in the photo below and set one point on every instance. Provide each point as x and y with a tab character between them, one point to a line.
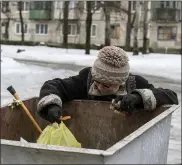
58	91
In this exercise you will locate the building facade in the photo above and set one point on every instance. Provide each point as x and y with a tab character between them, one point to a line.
43	22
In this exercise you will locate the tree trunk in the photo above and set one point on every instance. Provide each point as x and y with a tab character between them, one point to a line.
136	27
20	4
128	28
6	10
88	27
6	35
65	24
107	24
146	27
181	28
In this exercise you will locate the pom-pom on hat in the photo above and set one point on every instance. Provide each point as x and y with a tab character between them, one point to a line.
111	66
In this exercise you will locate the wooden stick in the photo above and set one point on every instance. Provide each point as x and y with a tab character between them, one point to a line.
65	118
13	92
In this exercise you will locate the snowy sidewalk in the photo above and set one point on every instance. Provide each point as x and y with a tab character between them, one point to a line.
164	65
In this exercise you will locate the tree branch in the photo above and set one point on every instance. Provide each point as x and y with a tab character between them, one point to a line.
132	22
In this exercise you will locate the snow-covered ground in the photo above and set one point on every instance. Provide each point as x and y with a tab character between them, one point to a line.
164	65
27	79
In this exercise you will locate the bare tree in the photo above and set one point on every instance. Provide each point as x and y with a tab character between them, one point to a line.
108	8
128	27
136	27
65	24
91	8
20	5
146	27
88	27
107	11
6	11
181	27
117	7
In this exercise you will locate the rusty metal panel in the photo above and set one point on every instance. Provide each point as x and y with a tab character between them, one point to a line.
149	148
93	124
96	126
15	123
106	137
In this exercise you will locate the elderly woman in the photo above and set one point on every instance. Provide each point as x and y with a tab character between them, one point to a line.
109	78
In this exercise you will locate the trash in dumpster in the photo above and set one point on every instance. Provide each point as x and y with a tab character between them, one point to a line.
23	140
58	134
55	134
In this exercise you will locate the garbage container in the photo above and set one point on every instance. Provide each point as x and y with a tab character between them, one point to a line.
106	137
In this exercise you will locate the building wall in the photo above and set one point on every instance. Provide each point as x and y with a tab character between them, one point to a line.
55	30
155	42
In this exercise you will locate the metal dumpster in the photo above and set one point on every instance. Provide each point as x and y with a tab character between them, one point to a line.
106	137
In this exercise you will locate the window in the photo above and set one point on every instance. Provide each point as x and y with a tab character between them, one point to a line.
25	28
174	4
25	6
3	24
95	5
93	30
167	4
115	31
162	4
41	28
38	5
45	5
72	4
72	29
18	28
167	32
5	7
133	6
59	4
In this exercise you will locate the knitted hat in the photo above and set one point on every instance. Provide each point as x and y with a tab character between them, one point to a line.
111	66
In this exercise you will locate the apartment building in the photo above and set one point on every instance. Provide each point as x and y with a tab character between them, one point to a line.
44	23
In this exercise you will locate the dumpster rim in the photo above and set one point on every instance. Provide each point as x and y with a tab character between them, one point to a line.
122	143
108	152
54	148
35	97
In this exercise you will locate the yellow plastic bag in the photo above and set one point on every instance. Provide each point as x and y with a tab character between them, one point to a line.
58	134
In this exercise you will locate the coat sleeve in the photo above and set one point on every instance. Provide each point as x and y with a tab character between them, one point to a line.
58	90
153	97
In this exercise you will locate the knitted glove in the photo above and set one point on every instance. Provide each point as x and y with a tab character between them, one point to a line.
53	113
129	102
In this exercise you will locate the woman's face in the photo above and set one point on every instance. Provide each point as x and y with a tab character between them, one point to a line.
105	88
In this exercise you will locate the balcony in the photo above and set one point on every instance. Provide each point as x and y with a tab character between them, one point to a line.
40	14
40	10
167	15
